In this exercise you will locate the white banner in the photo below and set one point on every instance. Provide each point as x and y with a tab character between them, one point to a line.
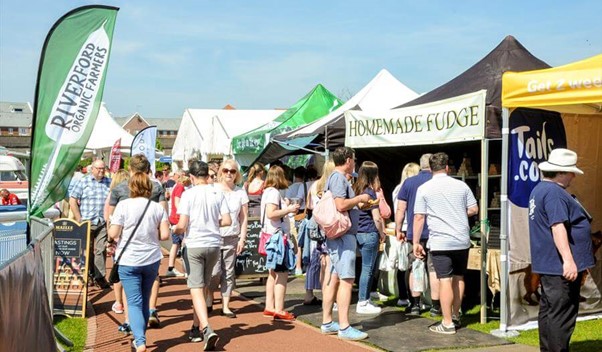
144	143
451	120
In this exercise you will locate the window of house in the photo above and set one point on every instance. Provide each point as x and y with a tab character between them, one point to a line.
10	130
22	131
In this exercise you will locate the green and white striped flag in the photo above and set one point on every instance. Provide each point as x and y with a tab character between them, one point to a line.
71	79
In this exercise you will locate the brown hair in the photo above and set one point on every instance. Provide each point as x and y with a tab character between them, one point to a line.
438	161
367	177
276	178
139	163
256	170
140	185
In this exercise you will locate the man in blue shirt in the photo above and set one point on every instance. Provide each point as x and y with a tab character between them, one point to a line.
561	248
405	202
87	200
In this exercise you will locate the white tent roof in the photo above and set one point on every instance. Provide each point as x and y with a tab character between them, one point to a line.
106	132
210	131
383	92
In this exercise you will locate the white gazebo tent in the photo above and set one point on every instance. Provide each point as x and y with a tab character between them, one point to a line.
207	133
106	132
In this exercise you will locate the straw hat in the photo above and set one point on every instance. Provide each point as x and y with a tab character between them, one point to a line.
561	160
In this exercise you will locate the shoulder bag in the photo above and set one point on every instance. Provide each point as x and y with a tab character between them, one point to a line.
333	222
114	275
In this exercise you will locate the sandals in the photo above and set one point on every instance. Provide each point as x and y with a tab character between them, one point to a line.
314	302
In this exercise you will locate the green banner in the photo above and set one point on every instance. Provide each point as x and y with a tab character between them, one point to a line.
69	90
316	104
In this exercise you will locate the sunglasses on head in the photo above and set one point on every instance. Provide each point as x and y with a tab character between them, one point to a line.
229	171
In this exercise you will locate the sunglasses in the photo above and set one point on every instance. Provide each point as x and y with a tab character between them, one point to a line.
229	171
214	176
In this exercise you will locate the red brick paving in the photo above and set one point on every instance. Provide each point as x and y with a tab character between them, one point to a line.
248	332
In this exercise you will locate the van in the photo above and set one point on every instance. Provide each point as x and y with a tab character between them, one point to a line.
13	177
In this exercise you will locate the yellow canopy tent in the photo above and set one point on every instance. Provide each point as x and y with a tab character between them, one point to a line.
575	91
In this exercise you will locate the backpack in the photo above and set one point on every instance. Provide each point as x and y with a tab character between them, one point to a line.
333	222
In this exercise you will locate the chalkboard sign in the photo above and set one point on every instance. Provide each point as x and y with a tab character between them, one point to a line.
71	250
249	264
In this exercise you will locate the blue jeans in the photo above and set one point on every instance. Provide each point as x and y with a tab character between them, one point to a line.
137	283
368	246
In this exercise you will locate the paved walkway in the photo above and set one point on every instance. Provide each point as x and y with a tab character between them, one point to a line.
391	330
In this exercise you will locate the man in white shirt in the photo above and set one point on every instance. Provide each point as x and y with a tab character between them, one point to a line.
203	210
447	203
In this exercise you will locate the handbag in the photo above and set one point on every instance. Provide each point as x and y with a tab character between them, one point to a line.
114	274
333	222
264	237
383	207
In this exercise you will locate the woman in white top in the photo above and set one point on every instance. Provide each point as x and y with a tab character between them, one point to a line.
139	264
273	210
233	236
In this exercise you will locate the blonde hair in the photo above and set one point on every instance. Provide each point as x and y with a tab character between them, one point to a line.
119	176
327	169
409	170
231	163
256	170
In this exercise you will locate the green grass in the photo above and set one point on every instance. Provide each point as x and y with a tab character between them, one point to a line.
586	337
75	329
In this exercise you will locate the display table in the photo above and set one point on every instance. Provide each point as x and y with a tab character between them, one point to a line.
493	266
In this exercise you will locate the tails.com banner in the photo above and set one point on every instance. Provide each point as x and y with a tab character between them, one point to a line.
69	90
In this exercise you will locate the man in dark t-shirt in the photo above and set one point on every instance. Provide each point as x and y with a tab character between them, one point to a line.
561	248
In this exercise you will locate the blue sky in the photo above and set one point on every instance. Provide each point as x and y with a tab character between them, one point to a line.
172	55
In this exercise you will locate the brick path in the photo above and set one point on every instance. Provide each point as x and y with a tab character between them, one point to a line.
249	331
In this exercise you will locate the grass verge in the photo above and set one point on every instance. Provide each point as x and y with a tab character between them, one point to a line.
76	330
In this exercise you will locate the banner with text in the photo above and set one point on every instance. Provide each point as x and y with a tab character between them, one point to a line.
144	143
71	78
451	120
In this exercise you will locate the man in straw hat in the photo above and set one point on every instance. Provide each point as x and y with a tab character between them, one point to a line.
561	248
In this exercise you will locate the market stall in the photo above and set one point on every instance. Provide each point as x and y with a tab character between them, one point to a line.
248	147
463	118
575	91
207	133
383	92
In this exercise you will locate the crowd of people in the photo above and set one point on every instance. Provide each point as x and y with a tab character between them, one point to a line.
209	210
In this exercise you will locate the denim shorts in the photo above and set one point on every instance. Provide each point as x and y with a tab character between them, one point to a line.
342	255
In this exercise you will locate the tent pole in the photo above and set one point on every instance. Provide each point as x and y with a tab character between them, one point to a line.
296	146
504	299
484	215
326	151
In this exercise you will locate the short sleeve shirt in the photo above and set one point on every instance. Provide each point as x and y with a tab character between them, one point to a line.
144	248
550	204
272	196
204	205
366	220
235	199
92	195
340	188
122	192
407	193
173	212
444	200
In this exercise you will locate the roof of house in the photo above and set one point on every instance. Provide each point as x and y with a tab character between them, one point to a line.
165	124
15	114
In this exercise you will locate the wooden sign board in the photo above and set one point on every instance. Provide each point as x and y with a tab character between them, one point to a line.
71	253
249	264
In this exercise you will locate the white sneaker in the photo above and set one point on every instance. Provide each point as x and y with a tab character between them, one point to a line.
403	303
174	273
366	307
